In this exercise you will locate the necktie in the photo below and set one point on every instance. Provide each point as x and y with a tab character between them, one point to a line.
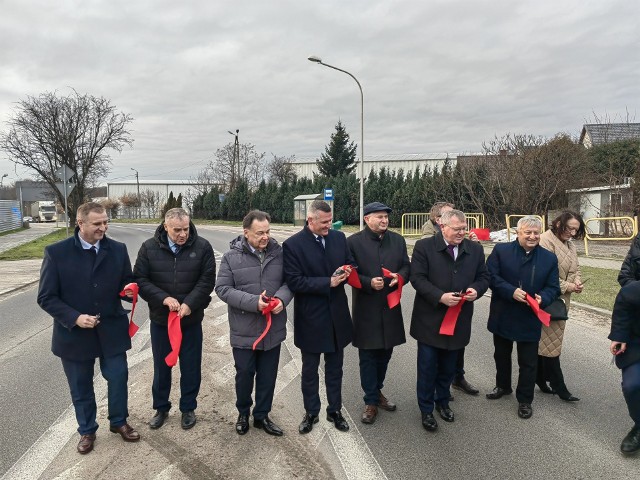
176	248
320	240
94	250
260	255
450	248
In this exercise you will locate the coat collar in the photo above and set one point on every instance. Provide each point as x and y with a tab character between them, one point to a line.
441	245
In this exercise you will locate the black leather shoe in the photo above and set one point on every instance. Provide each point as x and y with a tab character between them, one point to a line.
188	419
268	426
461	384
85	445
567	397
158	419
631	443
498	392
545	388
307	423
445	413
429	422
525	410
242	424
338	420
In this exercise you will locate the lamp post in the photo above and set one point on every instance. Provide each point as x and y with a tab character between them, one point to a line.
236	158
138	185
318	60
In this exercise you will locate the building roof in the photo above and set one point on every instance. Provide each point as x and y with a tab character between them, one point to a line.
602	133
403	157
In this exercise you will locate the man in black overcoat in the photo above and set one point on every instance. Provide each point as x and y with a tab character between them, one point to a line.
445	269
80	281
317	262
377	328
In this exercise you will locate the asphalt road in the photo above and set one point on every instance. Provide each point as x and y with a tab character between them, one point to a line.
487	440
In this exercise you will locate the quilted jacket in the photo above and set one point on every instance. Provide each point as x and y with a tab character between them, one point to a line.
551	339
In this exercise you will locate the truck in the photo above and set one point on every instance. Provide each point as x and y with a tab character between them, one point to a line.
44	211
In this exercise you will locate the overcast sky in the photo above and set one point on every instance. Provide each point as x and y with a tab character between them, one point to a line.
438	76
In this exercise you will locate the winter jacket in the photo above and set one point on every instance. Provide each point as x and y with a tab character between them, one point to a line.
433	273
625	324
537	273
188	276
630	269
552	336
376	326
241	280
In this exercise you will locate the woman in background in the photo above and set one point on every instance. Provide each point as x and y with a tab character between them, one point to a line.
559	240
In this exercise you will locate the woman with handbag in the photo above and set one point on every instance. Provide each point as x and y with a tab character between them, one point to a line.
559	240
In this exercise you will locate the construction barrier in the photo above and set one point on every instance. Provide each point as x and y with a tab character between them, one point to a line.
412	223
587	236
508	218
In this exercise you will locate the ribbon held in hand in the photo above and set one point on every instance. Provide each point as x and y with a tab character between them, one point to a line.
133	328
451	317
353	279
175	338
272	302
393	298
543	316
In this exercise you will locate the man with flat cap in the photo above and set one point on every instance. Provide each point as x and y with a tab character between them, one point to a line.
383	267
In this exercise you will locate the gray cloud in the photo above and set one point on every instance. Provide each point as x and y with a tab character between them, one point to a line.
438	76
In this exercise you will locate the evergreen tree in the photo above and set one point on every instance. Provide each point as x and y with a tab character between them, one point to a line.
339	156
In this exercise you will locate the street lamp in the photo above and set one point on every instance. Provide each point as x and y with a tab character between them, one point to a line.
2	179
315	59
236	158
138	184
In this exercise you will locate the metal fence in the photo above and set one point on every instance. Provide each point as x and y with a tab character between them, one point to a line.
629	225
412	223
507	219
10	216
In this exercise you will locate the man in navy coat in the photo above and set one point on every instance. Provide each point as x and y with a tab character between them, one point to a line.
80	281
313	261
518	269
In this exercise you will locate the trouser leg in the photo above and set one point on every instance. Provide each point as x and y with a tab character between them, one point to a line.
333	379
310	382
446	373
631	390
245	363
369	375
528	363
383	358
554	373
80	378
502	356
427	373
190	366
460	364
266	375
161	386
116	372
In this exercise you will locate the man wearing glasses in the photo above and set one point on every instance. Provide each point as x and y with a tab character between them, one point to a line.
446	269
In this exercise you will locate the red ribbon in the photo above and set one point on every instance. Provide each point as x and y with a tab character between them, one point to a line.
393	299
272	303
543	316
175	338
451	317
353	278
133	328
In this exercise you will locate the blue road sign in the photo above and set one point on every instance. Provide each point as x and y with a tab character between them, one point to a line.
328	194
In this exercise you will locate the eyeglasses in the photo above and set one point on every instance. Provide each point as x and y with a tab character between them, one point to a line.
571	229
457	230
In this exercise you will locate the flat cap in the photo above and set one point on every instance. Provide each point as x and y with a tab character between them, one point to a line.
375	207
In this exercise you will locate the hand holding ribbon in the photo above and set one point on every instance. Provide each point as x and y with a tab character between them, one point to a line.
272	303
175	338
450	320
393	298
543	316
353	278
133	287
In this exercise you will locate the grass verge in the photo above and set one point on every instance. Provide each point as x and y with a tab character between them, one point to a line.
601	288
9	232
35	248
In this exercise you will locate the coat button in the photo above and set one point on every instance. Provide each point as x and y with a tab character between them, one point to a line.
455	271
95	285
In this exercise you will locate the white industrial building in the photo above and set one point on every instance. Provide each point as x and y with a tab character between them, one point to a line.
306	166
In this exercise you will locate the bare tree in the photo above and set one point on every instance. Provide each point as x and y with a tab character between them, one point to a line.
111	206
130	203
281	169
224	170
49	131
152	202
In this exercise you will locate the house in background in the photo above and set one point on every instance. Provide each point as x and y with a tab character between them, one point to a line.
594	134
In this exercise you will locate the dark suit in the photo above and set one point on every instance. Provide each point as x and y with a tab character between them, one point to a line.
434	272
509	320
322	322
74	281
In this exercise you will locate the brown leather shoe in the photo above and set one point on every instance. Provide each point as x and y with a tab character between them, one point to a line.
127	433
370	413
385	404
85	445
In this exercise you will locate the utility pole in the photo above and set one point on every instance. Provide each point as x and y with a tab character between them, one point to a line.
2	179
236	160
138	185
